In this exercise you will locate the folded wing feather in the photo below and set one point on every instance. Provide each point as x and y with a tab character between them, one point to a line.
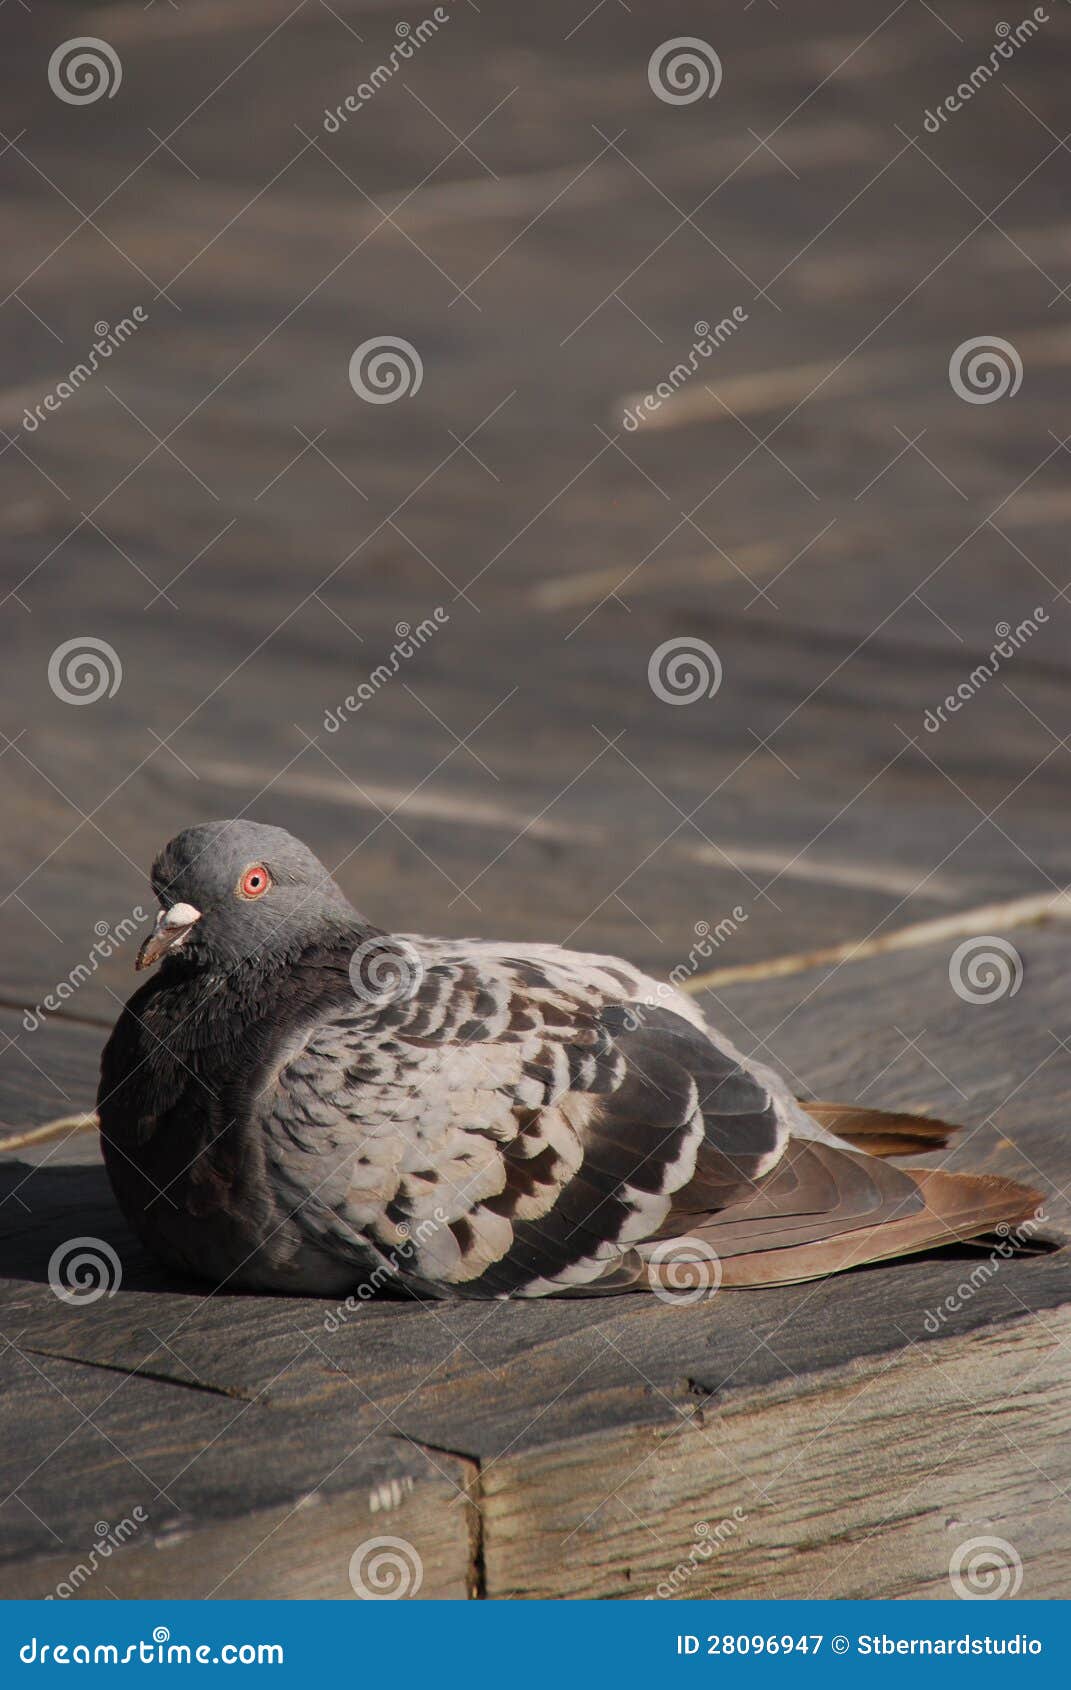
535	1121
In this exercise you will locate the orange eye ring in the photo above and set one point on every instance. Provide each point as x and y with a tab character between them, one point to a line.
255	881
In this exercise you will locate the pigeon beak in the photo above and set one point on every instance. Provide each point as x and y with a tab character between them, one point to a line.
172	927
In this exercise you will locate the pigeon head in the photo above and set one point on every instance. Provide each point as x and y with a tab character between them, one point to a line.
236	891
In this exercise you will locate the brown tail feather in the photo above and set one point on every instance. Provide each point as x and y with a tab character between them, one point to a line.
957	1207
881	1132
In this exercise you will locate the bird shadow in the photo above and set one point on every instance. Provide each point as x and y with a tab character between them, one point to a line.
45	1210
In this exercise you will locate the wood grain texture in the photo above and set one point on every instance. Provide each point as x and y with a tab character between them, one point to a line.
884	587
852	1483
823	510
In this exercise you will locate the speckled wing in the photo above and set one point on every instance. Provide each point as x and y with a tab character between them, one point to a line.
518	1125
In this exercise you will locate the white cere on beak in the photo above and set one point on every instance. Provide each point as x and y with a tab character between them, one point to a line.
179	915
172	929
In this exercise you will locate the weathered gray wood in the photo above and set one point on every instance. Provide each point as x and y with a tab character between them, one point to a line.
856	1482
853	588
623	1423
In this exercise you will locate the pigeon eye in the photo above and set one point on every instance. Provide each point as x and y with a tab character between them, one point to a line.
254	882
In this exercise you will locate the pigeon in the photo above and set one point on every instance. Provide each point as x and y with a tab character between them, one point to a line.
300	1102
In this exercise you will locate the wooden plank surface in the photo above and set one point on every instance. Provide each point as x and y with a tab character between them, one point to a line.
519	776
